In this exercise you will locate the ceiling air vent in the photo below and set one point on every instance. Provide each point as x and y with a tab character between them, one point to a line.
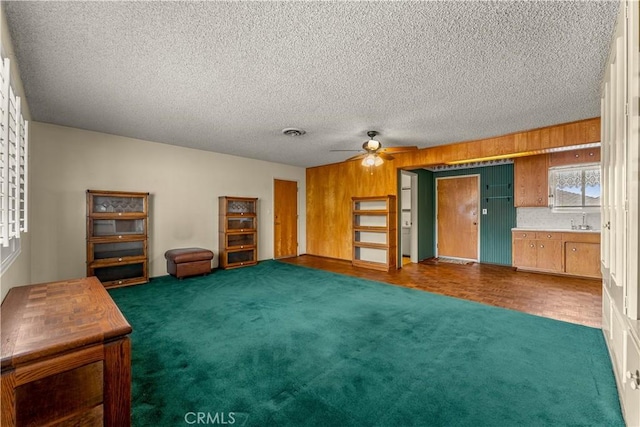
293	131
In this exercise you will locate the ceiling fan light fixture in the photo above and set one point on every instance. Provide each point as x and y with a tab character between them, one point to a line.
372	160
369	160
372	145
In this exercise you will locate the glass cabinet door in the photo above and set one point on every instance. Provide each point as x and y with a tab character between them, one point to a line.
115	204
240	256
117	227
241	223
235	206
118	250
120	272
241	240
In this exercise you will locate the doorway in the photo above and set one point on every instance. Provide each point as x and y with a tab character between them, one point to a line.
285	218
457	206
408	217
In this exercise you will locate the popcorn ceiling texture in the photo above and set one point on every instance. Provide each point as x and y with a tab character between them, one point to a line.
228	76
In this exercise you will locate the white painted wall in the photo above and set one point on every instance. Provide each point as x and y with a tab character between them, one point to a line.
184	184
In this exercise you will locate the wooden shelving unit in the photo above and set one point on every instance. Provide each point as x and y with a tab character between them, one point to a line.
374	232
237	231
117	237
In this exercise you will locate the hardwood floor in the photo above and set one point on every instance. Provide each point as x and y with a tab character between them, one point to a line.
564	298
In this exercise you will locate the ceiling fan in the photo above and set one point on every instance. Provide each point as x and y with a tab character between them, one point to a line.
373	154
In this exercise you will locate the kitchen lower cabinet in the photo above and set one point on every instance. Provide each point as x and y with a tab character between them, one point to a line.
582	259
537	251
572	253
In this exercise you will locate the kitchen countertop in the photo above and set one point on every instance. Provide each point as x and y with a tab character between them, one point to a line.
556	230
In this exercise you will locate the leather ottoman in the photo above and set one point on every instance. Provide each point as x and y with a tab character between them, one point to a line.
187	262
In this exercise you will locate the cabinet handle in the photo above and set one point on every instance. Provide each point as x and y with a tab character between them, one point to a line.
542	246
119	237
241	246
577	155
119	282
119	213
119	259
532	246
548	236
574	249
524	234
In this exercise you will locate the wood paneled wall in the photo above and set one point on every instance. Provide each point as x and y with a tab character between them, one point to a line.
330	187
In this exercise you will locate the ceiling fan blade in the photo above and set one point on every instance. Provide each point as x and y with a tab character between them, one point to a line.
346	150
385	156
400	149
359	156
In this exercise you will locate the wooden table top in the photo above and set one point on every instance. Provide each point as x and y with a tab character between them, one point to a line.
52	318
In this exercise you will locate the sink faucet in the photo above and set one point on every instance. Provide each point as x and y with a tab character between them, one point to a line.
573	225
584	225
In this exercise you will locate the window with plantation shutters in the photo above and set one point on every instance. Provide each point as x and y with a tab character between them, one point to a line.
13	169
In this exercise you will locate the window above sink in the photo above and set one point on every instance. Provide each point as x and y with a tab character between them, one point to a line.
575	188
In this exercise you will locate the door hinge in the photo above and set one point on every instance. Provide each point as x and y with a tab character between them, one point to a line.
625	304
626	11
626	109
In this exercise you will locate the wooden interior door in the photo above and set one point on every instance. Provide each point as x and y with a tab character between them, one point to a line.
457	217
285	214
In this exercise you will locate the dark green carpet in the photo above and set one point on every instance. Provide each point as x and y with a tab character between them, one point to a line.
279	345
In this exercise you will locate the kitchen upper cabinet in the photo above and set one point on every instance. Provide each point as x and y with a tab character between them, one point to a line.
531	181
575	157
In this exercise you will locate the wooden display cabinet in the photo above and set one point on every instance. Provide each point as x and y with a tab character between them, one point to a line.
117	237
374	232
237	231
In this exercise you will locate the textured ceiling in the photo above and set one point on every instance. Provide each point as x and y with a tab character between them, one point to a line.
229	76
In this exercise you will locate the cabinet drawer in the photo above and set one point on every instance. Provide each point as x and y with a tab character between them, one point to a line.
524	234
546	235
581	237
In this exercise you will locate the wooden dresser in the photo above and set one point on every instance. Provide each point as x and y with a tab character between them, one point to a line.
66	356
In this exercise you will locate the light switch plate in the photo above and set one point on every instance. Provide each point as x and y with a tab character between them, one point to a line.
484	211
